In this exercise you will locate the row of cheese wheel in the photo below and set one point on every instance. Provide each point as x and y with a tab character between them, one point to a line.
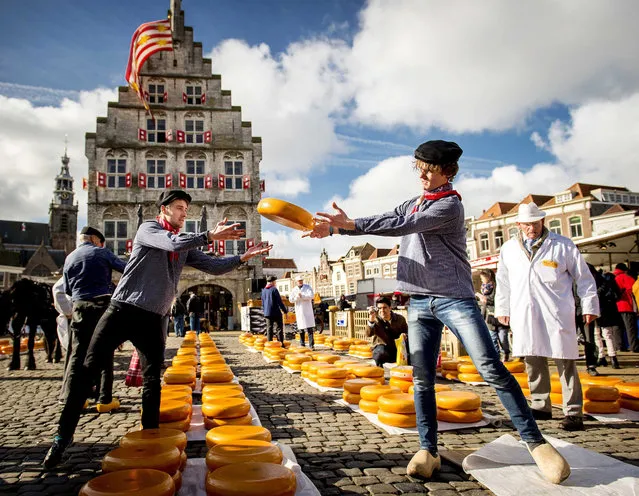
6	345
333	375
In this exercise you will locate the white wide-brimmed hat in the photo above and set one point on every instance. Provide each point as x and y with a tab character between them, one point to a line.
299	277
529	212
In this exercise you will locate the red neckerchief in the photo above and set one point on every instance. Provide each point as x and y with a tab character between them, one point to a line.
173	255
427	196
269	285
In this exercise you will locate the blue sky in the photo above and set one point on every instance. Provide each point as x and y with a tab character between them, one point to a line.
413	70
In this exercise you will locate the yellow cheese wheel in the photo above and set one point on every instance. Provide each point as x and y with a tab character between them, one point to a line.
305	374
210	376
451	375
628	389
165	437
211	350
402	372
467	368
286	213
181	375
332	383
555	387
177	387
218	386
177	480
272	344
368	371
312	377
464	359
515	366
599	380
450	365
183	460
526	392
397	403
212	396
556	398
601	393
352	398
180	425
212	360
438	388
251	479
186	352
345	361
368	406
459	416
331	373
189	360
521	378
297	358
470	377
173	410
177	396
306	366
229	433
402	384
158	457
458	400
354	385
328	358
629	403
371	393
135	482
601	406
406	420
244	450
294	366
226	408
211	423
313	367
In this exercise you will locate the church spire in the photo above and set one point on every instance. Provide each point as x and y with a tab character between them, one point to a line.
177	21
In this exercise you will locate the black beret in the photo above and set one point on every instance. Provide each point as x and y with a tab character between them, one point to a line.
91	231
438	152
271	279
175	194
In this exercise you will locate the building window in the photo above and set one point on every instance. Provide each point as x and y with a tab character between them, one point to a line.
156	93
193	94
156	130
376	271
513	232
195	174
194	131
233	171
484	244
156	173
115	233
64	223
1	279
237	246
338	276
576	230
351	288
386	270
116	173
394	268
555	226
368	272
563	197
192	226
499	239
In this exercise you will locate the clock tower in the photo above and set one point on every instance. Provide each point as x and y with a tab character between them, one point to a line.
63	212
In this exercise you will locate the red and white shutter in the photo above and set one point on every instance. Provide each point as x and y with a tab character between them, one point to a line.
180	136
208	136
211	247
141	180
129	245
128	179
262	185
182	180
208	181
246	181
141	134
184	97
220	181
85	183
102	179
169	135
220	247
168	179
250	243
165	97
203	98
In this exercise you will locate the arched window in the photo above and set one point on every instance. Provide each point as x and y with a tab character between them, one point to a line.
555	226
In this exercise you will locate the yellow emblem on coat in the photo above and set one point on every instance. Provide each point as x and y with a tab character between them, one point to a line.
549	263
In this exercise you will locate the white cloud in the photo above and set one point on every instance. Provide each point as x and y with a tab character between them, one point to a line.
31	144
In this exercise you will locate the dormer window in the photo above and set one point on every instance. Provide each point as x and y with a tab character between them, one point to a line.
563	197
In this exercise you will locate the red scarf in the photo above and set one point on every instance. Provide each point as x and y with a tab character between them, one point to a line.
173	255
426	196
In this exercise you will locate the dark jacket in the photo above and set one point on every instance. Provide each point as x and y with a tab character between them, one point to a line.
178	308
272	303
609	294
343	304
387	332
194	305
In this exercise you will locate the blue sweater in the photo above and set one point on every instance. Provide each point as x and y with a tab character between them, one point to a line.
432	254
272	303
151	278
88	270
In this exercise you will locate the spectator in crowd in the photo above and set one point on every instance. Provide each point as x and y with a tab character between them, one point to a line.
385	326
343	303
627	305
178	311
64	305
486	298
194	309
609	323
302	295
273	308
535	278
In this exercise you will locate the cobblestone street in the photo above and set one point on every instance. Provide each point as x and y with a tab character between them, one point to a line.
338	449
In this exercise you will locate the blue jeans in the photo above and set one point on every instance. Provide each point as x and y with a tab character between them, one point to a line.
178	325
500	338
427	316
194	322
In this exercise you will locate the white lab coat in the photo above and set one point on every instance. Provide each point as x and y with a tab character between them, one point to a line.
303	299
64	305
537	295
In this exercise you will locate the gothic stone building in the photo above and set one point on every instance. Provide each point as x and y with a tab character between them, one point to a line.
197	142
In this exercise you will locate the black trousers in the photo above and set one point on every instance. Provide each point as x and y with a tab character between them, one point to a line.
121	322
384	354
274	325
311	339
630	323
590	347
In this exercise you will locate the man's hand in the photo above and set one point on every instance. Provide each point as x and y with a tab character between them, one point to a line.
504	319
258	249
324	221
588	318
372	315
222	231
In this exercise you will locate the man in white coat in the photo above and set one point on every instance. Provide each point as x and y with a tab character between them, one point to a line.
535	279
64	305
302	295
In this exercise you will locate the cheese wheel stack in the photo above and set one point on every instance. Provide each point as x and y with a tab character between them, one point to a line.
332	376
241	451
258	344
601	399
397	410
402	377
515	367
134	482
368	371
294	361
327	357
150	456
370	394
629	392
251	479
449	369
229	433
181	375
467	372
245	336
249	341
319	339
311	369
438	388
341	344
361	350
458	406
225	408
276	354
352	388
600	380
